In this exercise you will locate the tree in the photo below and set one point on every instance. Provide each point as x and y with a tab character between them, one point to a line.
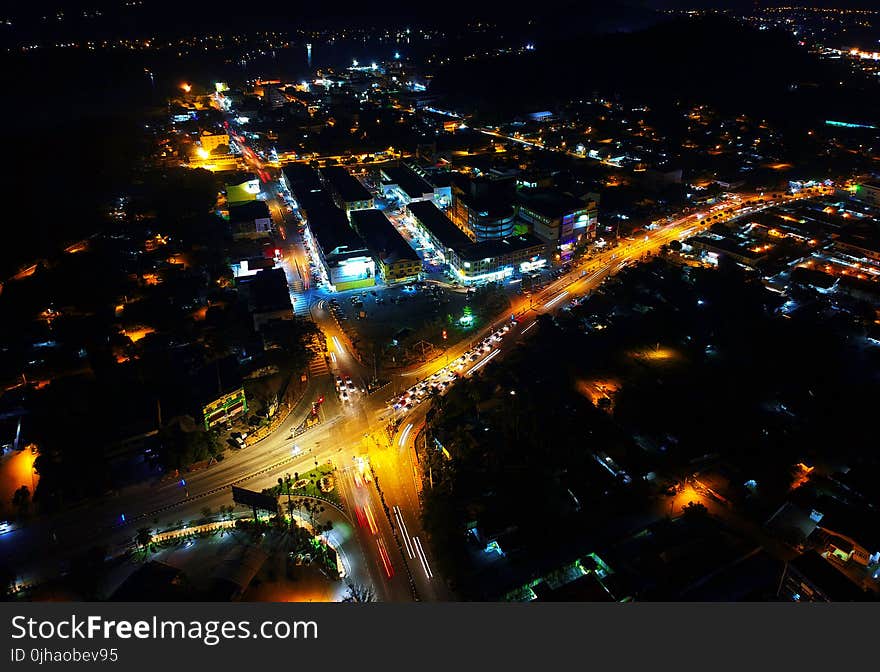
358	592
144	536
21	499
695	511
675	245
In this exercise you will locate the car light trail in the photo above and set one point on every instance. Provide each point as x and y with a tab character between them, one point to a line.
555	300
402	526
418	544
386	561
405	435
372	521
338	345
480	365
529	327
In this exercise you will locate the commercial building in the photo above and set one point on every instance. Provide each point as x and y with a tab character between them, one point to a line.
250	219
345	262
217	391
811	578
299	178
860	242
717	246
211	141
241	187
404	184
268	296
481	210
868	192
495	260
559	219
395	259
434	225
347	192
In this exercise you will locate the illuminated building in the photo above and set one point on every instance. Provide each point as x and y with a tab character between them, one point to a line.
559	219
481	211
273	97
346	262
437	228
217	391
404	184
868	192
241	187
483	261
811	578
716	246
225	408
395	259
495	260
210	141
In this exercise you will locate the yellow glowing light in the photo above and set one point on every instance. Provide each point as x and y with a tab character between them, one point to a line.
137	333
186	87
202	153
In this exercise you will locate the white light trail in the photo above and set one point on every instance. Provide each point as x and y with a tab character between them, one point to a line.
405	435
555	300
338	345
423	558
529	327
402	526
480	365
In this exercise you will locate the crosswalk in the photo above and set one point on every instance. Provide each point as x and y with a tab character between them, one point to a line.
318	366
300	303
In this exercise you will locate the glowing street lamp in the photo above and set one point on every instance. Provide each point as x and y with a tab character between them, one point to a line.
186	86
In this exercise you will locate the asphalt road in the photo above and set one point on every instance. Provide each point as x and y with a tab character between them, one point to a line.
392	551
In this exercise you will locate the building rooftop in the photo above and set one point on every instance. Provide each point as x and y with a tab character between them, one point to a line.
381	237
238	177
410	182
550	203
440	226
345	184
301	177
830	581
330	227
315	200
249	211
489	249
268	291
863	235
